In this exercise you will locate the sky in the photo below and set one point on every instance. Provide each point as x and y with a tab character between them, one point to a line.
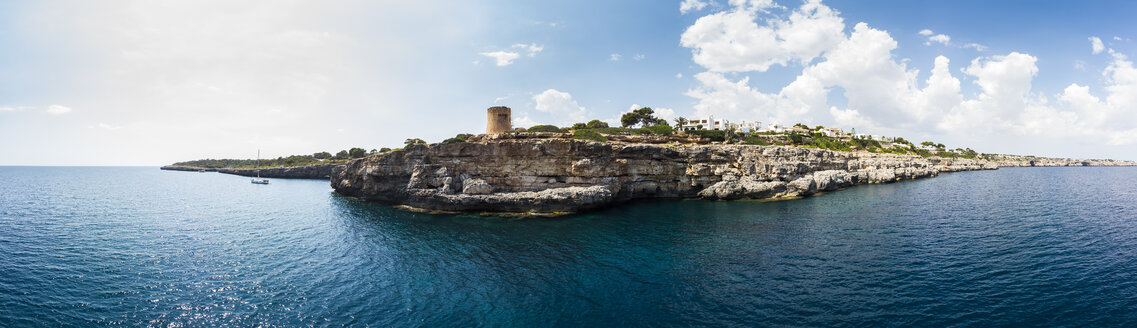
144	82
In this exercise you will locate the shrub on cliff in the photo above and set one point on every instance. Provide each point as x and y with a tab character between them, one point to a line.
343	154
544	128
597	124
357	152
755	140
413	141
461	137
588	134
614	130
322	155
660	129
714	135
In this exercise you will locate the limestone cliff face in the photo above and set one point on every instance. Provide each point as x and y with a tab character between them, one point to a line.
566	175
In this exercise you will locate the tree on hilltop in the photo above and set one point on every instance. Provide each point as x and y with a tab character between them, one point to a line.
643	117
357	152
413	141
681	121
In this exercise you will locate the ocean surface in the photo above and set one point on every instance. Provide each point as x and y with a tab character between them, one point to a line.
113	246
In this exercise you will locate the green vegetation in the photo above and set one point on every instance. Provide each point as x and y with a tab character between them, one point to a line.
644	117
659	129
461	137
413	141
714	135
322	155
754	140
544	128
681	121
588	134
357	152
294	160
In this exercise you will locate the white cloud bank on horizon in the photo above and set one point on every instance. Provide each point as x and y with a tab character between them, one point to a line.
52	109
884	94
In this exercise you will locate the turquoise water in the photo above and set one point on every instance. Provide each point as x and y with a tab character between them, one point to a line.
143	247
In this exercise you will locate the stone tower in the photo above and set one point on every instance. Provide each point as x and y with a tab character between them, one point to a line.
498	120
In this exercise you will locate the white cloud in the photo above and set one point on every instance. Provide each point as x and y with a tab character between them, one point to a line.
561	106
506	57
503	58
614	57
109	127
883	93
939	38
1117	38
13	109
850	117
733	41
523	121
531	49
976	46
691	5
58	110
679	75
660	112
639	57
1096	45
499	99
946	40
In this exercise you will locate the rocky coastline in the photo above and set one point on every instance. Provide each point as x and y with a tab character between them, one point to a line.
534	176
317	171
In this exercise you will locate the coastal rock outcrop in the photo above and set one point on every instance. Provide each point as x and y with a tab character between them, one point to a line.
567	175
316	171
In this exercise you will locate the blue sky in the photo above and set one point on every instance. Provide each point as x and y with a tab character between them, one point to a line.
148	83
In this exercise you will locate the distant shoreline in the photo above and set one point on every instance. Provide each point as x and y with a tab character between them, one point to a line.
316	171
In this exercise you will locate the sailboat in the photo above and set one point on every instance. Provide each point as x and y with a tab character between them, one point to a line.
258	179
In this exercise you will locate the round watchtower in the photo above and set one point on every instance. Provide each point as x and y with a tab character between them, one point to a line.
498	120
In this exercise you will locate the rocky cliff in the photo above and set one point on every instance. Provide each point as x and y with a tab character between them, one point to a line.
565	175
1025	161
317	171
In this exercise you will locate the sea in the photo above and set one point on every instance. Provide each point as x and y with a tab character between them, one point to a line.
136	246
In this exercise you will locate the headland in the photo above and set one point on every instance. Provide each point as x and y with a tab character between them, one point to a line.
549	174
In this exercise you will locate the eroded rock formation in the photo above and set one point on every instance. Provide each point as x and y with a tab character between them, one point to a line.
565	175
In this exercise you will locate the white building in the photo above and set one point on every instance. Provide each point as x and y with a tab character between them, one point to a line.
747	127
709	123
773	127
834	132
